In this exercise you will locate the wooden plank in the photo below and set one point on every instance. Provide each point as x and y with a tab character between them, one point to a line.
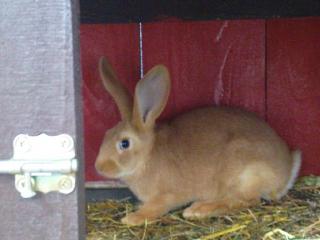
293	72
40	93
120	43
211	62
125	11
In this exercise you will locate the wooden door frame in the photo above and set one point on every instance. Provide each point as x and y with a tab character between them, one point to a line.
40	93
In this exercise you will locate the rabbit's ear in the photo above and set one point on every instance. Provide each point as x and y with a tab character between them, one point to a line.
116	89
151	96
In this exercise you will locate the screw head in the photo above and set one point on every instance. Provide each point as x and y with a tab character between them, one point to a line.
21	184
22	143
66	184
66	143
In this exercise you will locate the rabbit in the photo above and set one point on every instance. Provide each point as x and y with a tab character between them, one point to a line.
218	159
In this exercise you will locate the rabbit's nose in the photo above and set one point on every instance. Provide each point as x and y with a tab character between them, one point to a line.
98	166
106	168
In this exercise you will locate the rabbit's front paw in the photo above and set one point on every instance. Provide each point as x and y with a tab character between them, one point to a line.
134	219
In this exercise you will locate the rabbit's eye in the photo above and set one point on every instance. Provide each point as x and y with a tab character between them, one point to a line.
124	144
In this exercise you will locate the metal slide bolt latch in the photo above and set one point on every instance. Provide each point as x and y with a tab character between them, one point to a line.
42	163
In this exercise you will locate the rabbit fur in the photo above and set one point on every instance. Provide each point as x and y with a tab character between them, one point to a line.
217	158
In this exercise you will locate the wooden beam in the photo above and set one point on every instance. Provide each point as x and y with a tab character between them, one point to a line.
125	11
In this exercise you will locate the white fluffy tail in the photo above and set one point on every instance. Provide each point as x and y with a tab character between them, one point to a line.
297	157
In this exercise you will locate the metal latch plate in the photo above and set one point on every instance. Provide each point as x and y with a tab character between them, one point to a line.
42	163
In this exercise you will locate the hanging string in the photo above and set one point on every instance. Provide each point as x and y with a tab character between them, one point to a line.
141	49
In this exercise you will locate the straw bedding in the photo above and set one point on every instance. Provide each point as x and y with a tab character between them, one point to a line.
296	216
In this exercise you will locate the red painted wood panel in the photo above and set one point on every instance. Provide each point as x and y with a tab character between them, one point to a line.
120	43
293	71
211	62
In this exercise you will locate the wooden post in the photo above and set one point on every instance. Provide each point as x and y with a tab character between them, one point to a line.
40	93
